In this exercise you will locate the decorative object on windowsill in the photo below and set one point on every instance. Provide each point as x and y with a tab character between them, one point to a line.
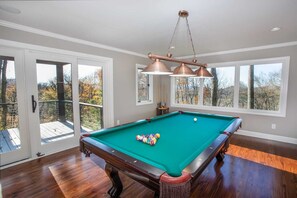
159	68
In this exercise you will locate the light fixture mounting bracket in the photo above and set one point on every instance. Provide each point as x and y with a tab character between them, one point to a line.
183	13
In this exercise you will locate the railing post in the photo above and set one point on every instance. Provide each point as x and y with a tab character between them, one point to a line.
80	116
101	117
60	90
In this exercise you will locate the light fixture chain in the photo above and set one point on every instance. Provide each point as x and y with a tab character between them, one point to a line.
193	48
172	37
159	68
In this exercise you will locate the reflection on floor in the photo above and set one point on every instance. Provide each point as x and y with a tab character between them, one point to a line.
267	159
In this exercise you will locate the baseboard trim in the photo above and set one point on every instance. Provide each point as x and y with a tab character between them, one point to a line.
267	136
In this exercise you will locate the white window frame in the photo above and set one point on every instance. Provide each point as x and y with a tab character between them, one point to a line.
151	96
235	109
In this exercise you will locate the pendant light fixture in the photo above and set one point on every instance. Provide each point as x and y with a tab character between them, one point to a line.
157	68
202	72
183	70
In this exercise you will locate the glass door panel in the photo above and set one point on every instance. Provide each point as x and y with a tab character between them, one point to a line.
90	97
54	82
9	119
13	134
53	102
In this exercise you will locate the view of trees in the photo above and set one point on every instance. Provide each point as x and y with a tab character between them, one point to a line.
143	86
54	94
186	90
8	100
55	99
259	87
91	97
261	91
219	90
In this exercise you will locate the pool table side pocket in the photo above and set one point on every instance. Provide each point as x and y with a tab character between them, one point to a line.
229	131
196	167
217	149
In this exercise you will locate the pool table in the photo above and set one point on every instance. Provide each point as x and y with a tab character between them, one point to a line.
188	142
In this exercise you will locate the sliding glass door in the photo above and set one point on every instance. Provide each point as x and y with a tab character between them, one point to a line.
54	116
47	99
14	144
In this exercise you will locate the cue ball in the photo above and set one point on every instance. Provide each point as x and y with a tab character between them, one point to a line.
195	119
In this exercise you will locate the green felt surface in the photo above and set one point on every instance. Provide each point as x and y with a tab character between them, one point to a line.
181	141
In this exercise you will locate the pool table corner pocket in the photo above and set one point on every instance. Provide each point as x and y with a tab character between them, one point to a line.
175	186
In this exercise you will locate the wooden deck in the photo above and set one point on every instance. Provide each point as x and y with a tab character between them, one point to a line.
9	140
50	132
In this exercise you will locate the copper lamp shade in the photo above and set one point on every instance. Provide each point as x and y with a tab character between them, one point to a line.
157	68
202	72
183	71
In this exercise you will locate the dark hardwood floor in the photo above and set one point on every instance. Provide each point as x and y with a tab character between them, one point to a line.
252	168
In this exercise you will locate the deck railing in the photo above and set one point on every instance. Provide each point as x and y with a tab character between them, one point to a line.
91	115
9	117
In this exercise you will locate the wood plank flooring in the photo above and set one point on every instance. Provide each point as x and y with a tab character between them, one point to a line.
252	168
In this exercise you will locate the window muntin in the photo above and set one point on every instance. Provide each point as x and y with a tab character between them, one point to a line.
144	87
271	74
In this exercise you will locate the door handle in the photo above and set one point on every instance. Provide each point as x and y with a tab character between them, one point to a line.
34	104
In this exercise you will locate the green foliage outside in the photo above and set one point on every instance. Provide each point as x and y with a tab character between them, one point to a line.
50	105
219	91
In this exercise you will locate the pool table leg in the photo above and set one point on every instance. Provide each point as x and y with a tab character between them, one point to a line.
220	156
117	186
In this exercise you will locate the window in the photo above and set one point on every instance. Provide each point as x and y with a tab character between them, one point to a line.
186	90
219	90
144	87
255	86
90	77
260	86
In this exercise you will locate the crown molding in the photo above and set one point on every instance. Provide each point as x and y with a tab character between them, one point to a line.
293	43
98	45
66	38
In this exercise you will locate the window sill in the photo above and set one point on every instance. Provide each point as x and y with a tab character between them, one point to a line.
233	110
144	103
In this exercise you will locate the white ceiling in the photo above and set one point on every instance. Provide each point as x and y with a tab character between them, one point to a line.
147	26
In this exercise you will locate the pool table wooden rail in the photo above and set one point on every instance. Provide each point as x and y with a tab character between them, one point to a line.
151	176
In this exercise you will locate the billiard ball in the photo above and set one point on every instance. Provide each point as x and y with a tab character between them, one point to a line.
195	119
144	140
